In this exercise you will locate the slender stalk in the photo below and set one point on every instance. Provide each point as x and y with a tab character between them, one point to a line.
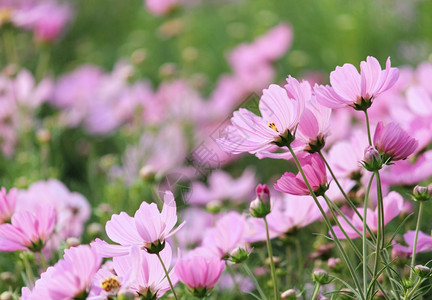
416	286
272	266
28	270
341	249
300	259
43	63
236	286
167	275
368	127
254	280
316	291
364	237
9	45
416	238
43	261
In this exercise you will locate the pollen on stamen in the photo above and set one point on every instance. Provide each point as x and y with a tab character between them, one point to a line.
110	284
273	126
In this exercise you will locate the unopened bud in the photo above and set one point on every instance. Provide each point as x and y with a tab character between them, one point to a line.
290	294
321	276
260	207
239	255
147	173
72	242
422	193
263	193
94	229
422	271
6	276
213	207
6	296
372	159
407	284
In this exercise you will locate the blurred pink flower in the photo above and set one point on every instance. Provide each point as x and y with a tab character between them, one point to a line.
27	94
281	110
424	243
28	230
69	278
393	206
315	171
358	90
196	218
392	142
73	210
161	7
148	229
199	273
7	204
222	187
228	233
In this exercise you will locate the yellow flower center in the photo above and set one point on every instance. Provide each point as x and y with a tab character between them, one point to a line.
273	126
110	284
5	15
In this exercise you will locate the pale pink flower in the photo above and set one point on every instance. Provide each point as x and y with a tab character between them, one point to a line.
228	233
424	243
222	187
69	278
393	206
148	276
7	204
315	171
28	230
358	90
199	273
27	93
196	218
148	229
281	110
392	142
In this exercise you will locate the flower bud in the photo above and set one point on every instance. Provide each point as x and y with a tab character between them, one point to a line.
422	271
213	207
260	207
407	284
290	294
335	264
147	173
239	255
422	193
321	276
72	242
6	296
372	159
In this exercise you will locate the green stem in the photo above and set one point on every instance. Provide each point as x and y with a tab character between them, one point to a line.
236	286
254	280
272	266
336	239
364	237
368	127
9	45
167	275
300	259
416	238
409	294
28	270
43	63
316	291
43	261
349	201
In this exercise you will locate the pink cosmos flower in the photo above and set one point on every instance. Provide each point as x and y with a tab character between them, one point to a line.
196	218
222	187
315	171
28	230
393	205
199	273
281	110
7	204
146	275
228	233
424	243
358	90
392	142
27	94
148	229
69	278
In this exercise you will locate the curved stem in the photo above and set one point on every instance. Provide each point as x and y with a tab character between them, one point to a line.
409	294
254	280
316	291
28	270
368	127
236	286
43	261
416	238
167	275
336	239
43	63
272	266
349	201
364	237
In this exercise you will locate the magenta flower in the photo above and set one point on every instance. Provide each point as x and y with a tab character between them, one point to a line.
393	143
148	229
358	90
281	110
393	206
315	171
7	204
199	273
69	278
28	230
424	243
